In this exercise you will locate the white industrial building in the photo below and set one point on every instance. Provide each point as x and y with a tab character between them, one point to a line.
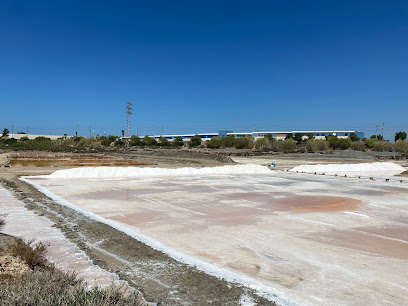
275	134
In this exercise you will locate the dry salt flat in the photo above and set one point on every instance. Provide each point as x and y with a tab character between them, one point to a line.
310	239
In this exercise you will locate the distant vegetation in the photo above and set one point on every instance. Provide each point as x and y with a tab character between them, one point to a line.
292	143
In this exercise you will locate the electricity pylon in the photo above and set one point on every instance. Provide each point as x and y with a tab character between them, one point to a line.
128	112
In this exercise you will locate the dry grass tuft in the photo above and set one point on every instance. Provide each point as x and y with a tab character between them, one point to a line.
33	256
53	287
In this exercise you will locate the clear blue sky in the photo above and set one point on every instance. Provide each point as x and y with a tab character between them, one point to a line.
201	66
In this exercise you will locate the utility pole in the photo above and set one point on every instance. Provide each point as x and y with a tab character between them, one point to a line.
12	131
90	132
376	128
383	131
76	133
27	131
128	112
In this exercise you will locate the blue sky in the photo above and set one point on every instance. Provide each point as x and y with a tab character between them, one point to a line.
201	66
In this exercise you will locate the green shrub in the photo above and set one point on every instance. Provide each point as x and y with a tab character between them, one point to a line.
53	287
135	141
263	143
383	146
119	143
106	142
316	145
344	143
369	142
149	141
195	141
401	146
246	142
338	143
76	138
10	141
228	142
287	145
163	142
214	143
178	142
354	137
358	146
332	141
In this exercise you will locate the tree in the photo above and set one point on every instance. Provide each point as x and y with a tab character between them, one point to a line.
135	141
119	143
178	142
298	137
400	136
195	141
263	143
149	141
332	141
377	137
163	142
289	136
6	133
354	137
310	136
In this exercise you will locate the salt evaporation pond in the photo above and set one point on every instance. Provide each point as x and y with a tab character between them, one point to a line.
311	239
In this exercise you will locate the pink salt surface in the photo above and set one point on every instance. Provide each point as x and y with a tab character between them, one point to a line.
295	235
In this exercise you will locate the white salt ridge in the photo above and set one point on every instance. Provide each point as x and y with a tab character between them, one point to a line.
363	168
126	172
268	292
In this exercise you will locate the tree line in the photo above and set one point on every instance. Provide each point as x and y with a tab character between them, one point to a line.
292	143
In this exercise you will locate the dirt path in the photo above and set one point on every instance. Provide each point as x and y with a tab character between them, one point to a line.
161	279
176	158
